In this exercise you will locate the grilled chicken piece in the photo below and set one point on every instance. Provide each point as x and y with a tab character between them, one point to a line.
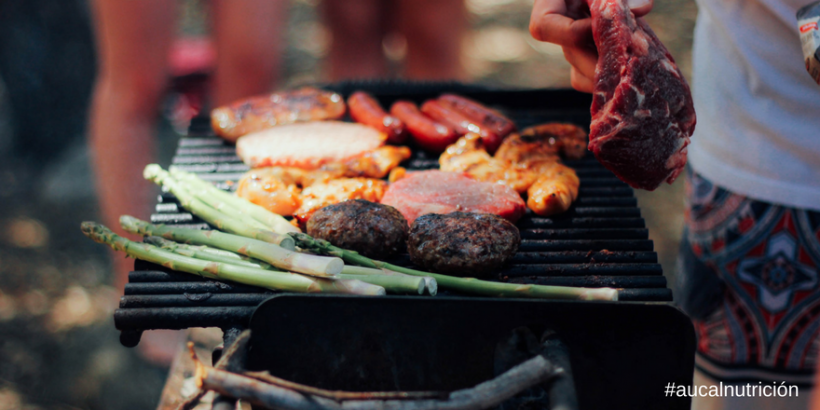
527	164
554	191
276	188
521	149
321	194
468	155
571	140
279	189
308	145
286	107
372	164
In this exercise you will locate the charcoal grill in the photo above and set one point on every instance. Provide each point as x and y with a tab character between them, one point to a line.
602	241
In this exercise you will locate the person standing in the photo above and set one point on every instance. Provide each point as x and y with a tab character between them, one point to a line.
750	253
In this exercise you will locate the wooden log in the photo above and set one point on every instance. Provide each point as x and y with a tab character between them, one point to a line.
485	395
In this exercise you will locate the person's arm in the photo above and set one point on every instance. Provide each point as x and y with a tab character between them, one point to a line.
133	39
567	24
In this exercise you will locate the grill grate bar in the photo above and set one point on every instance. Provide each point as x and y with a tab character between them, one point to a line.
653	281
605	191
582	269
214	168
585	257
209	150
192	300
621	233
182	317
205	159
535	245
582	223
605	201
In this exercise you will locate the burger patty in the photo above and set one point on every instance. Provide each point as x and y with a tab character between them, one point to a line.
462	243
374	230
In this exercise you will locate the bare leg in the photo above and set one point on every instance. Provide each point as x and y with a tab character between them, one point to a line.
434	30
358	29
248	36
133	39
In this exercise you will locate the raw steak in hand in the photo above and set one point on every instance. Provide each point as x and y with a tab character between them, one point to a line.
642	113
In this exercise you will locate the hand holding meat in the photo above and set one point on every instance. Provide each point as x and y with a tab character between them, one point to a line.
567	23
642	110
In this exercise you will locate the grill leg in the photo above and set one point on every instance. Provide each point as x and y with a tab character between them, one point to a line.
562	389
130	338
229	336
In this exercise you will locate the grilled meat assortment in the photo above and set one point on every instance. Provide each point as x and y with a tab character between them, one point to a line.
462	243
285	107
642	111
374	230
290	190
527	164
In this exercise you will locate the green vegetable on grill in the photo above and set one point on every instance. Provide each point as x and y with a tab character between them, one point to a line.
464	285
225	271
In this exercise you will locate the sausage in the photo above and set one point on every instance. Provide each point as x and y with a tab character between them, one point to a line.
487	117
267	111
366	110
459	122
430	135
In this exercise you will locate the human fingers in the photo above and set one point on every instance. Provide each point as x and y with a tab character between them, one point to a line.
549	22
582	59
580	82
640	7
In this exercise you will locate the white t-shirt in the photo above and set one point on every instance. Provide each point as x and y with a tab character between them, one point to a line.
758	110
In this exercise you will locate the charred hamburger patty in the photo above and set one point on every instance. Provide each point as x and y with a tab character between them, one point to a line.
374	230
462	243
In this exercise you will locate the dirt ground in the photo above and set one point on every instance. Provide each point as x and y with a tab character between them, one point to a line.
58	345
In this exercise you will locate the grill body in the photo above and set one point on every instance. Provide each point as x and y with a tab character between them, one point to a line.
602	241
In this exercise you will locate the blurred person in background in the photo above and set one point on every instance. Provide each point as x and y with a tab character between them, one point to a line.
749	258
133	43
431	31
134	40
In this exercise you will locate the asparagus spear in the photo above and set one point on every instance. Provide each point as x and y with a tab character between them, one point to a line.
197	252
225	271
392	283
275	255
465	285
275	222
429	283
239	224
395	283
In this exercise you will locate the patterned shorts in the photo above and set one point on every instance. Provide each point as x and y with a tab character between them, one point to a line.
748	276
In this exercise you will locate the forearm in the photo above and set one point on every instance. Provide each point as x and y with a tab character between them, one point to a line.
122	142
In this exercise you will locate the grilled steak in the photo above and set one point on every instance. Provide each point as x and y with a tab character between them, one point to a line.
308	145
461	243
374	230
642	111
438	192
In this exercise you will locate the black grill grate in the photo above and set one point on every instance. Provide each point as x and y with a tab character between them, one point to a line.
602	241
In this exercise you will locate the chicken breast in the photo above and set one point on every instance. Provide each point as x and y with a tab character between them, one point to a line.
308	145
